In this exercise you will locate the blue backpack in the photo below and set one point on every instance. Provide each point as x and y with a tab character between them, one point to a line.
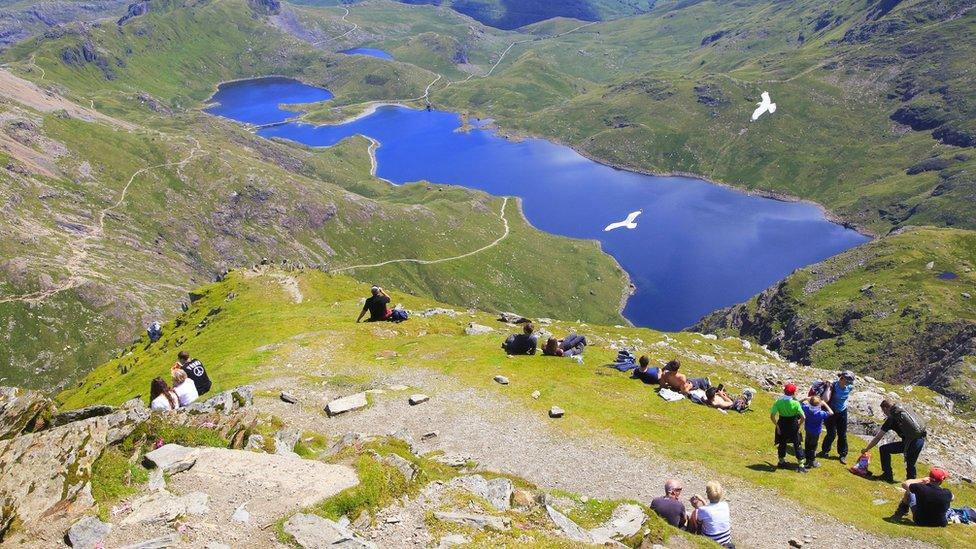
398	315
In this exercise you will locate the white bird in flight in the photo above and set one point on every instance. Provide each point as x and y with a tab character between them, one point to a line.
763	107
628	223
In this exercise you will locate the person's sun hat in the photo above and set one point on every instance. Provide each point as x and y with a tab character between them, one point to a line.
938	474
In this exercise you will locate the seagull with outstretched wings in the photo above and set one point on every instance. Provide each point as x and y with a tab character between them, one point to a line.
628	223
764	106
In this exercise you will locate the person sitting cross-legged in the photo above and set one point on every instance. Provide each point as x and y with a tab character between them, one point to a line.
712	520
669	506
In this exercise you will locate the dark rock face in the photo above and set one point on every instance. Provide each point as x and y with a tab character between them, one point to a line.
929	165
958	133
87	53
933	356
714	37
710	94
135	10
920	116
265	7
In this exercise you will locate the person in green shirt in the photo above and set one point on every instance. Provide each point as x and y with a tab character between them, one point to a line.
787	415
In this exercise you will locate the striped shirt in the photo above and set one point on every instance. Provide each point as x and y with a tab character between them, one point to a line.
716	522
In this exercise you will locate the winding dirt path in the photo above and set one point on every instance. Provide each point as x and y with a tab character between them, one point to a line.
355	27
443	260
79	247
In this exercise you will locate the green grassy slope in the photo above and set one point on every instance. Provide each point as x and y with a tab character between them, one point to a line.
859	94
257	331
216	196
879	309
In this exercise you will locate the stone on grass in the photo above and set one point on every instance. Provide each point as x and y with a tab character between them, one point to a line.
418	399
255	442
163	507
451	540
288	397
569	528
285	441
477	329
315	532
451	460
497	491
501	379
474	520
88	532
536	394
556	411
171	458
523	498
346	404
157	481
625	521
402	464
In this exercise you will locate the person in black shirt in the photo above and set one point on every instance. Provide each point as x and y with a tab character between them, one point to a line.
926	498
910	427
194	370
669	507
376	305
522	344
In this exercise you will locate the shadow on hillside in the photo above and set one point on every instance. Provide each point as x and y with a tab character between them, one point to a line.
766	467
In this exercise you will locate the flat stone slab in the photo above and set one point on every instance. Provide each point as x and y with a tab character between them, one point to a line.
88	532
556	411
346	404
315	532
569	528
501	379
477	329
626	520
418	399
171	458
273	485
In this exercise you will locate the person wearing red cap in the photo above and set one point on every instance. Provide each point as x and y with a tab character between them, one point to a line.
928	501
787	415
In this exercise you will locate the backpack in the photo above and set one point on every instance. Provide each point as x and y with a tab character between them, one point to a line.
821	389
398	315
912	426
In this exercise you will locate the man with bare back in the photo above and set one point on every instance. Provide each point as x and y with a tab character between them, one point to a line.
681	383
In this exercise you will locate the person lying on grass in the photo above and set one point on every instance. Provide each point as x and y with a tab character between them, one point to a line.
675	381
645	373
570	345
525	343
716	397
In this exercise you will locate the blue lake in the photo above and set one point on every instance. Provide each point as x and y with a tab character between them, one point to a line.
372	52
697	246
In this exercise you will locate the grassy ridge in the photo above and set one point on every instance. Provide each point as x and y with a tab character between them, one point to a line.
879	309
257	330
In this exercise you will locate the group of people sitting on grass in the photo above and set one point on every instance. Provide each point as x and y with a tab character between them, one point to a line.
190	381
709	518
527	343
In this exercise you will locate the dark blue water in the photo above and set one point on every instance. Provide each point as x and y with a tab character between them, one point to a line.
257	101
697	246
372	52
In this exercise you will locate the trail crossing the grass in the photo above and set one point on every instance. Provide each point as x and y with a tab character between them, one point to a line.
442	260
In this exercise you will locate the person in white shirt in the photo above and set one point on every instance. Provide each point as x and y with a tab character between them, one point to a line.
184	387
712	520
161	397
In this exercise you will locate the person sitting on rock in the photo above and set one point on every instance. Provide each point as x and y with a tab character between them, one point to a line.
161	397
570	345
184	387
675	381
195	371
713	520
669	506
925	497
376	305
645	373
525	343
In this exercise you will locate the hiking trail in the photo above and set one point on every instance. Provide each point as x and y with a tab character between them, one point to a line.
443	260
75	265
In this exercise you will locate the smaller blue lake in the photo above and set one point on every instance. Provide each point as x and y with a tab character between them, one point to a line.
259	101
697	246
372	52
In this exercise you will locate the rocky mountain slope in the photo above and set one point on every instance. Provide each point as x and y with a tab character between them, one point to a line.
900	308
511	14
401	436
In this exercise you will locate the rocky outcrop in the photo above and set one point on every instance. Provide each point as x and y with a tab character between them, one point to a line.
23	411
265	7
47	472
135	10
